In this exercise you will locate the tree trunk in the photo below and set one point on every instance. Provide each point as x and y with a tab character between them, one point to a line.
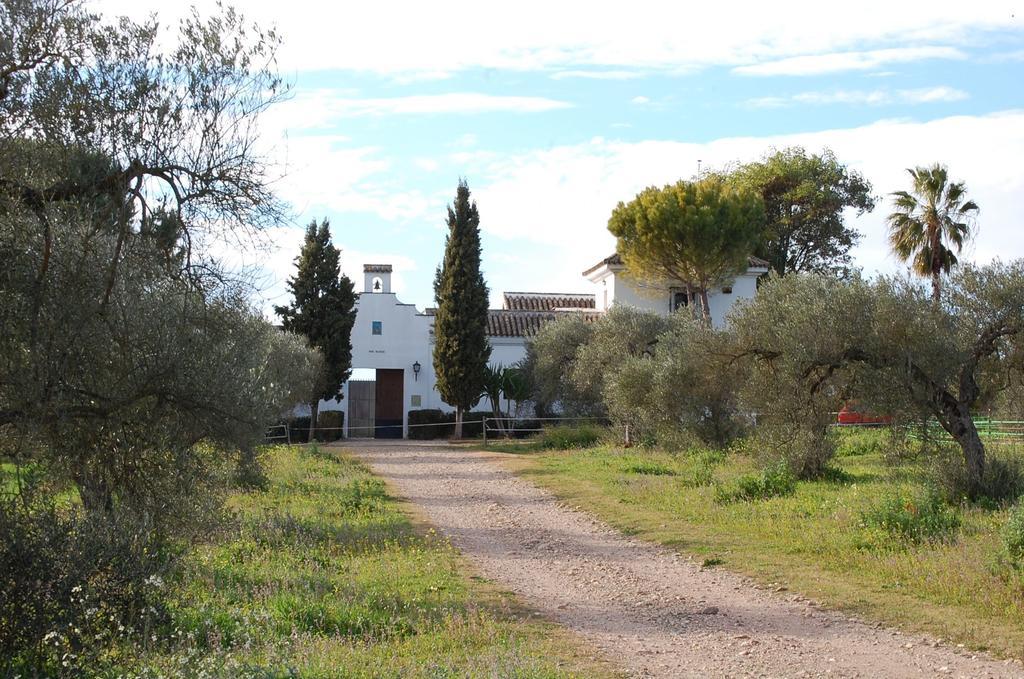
691	300
96	494
965	433
457	434
314	411
936	243
705	310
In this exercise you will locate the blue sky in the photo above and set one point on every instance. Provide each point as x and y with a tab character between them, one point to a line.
555	112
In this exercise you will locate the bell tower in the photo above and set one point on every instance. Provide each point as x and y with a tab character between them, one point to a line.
376	278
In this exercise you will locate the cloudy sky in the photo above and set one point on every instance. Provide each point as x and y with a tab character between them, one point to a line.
555	111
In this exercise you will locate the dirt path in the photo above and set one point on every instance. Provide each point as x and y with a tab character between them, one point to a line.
655	613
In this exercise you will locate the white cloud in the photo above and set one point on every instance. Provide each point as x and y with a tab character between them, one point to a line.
322	173
640	100
926	95
579	185
454	102
465	141
820	64
930	94
428	164
597	75
1002	57
411	77
400	39
277	262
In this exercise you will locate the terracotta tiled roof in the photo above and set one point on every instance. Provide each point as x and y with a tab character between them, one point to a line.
376	268
616	260
547	301
509	323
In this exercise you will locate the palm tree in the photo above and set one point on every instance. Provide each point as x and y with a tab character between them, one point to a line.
930	222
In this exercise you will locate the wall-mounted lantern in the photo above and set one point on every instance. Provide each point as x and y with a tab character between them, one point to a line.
416	370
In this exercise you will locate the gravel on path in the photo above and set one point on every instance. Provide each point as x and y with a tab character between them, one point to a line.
650	610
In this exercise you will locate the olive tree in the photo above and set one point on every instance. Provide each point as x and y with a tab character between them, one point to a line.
684	386
173	131
121	385
124	343
621	333
550	358
814	340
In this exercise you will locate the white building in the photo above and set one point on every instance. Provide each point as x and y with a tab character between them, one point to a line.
393	341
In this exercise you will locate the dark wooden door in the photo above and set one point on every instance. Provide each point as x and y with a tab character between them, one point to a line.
361	402
389	402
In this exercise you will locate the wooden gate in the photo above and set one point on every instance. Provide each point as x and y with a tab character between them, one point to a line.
361	407
389	402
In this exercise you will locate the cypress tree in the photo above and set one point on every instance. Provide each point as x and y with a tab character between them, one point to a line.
461	348
323	310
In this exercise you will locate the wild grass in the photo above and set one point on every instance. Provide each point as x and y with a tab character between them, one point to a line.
869	536
323	575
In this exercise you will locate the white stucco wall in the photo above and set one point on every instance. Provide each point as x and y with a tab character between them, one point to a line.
404	340
405	336
744	287
623	289
507	351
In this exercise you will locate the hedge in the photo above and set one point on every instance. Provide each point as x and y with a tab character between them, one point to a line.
333	420
442	425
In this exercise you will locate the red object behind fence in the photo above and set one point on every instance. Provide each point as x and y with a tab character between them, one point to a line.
849	415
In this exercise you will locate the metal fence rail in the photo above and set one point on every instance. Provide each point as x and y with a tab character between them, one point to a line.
513	420
996	430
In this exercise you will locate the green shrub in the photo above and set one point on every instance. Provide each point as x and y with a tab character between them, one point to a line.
1002	482
807	451
442	425
298	429
912	518
333	423
71	584
1013	537
776	480
701	476
473	423
430	423
568	437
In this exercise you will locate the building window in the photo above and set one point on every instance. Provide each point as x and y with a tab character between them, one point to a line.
378	327
417	401
727	290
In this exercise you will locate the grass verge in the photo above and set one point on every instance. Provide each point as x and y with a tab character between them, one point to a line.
324	575
840	540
